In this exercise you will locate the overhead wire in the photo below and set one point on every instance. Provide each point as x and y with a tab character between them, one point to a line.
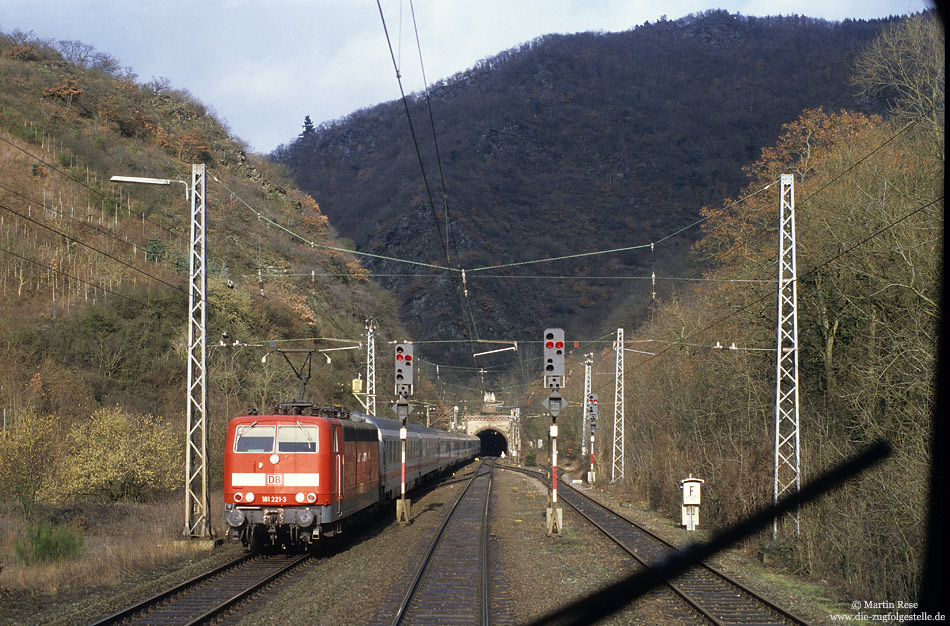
82	184
811	196
93	248
442	268
520	276
827	184
559	258
468	319
449	236
625	248
101	231
314	244
412	132
641	246
445	247
46	266
837	177
811	271
897	134
435	139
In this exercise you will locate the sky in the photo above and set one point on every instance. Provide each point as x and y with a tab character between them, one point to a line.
262	65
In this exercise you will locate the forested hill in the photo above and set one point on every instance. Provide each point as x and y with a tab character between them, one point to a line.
566	144
94	275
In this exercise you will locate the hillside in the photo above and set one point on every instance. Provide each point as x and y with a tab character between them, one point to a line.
94	275
567	144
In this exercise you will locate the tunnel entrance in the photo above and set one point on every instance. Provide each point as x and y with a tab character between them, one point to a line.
493	442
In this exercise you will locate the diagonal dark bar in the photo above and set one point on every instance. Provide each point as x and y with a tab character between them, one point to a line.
614	597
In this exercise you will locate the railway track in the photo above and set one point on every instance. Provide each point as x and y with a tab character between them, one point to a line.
717	597
209	595
451	585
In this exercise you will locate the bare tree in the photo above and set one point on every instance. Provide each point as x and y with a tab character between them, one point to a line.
906	65
76	52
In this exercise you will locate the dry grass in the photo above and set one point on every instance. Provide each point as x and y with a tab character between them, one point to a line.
120	540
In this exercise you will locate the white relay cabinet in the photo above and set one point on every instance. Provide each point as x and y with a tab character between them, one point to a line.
691	499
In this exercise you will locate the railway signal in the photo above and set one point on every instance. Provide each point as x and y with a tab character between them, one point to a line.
404	368
553	358
592	415
403	504
402	409
403	374
554	403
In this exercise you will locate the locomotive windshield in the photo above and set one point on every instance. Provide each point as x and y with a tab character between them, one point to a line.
254	439
297	438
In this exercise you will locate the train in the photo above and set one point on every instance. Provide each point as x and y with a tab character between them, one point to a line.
292	478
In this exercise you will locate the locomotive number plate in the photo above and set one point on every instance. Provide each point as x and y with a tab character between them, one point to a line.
275	479
274	499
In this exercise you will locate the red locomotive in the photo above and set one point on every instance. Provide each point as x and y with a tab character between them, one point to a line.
290	479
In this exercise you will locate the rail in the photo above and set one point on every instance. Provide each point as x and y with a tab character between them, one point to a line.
204	597
721	599
450	595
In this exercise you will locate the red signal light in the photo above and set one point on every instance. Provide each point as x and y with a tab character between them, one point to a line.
408	357
399	357
549	344
559	345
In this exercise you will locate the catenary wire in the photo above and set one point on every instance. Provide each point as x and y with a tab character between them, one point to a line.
82	184
314	244
93	248
811	271
471	328
101	231
412	132
46	266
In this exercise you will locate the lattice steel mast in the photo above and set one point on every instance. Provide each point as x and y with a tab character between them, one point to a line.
787	474
588	362
197	519
617	464
371	367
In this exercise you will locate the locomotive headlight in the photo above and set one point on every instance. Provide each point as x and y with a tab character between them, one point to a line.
304	517
299	497
249	497
234	517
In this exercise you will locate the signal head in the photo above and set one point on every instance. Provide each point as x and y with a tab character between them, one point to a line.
553	357
403	369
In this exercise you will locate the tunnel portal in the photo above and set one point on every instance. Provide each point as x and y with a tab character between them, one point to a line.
493	442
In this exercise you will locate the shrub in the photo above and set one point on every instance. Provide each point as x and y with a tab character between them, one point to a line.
46	543
27	459
531	458
116	455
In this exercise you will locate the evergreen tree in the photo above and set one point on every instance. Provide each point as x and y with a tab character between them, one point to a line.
308	130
